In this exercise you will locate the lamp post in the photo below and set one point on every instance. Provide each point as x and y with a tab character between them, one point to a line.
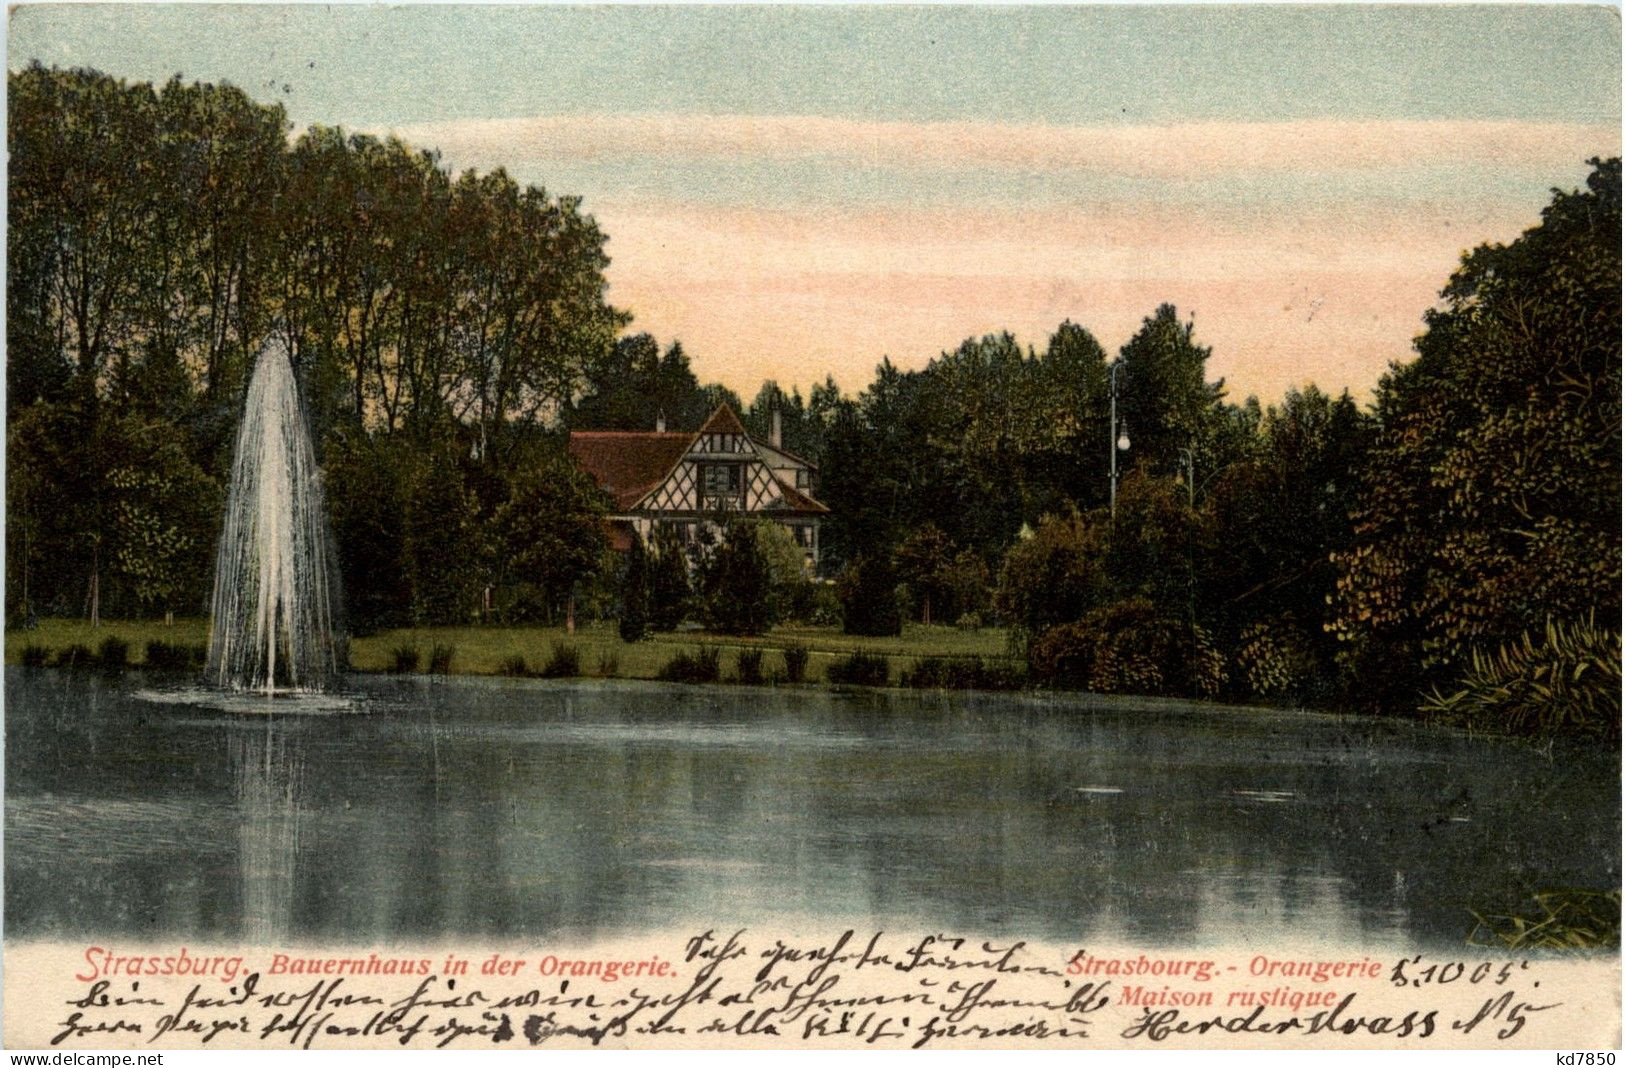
1187	460
1119	438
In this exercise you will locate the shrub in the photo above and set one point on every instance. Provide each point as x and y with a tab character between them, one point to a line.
162	656
795	662
749	667
960	673
200	655
609	665
1273	659
113	653
440	658
564	663
700	666
1565	682
1051	579
860	669
35	656
403	660
1128	647
826	606
514	667
73	656
969	621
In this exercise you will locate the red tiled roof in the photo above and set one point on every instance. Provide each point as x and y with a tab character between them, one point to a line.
628	463
796	501
723	421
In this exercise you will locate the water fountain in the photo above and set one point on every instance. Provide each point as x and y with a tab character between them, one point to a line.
274	622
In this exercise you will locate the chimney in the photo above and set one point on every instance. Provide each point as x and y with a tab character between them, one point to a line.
776	436
660	421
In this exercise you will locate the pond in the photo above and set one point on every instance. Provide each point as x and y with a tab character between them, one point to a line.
462	809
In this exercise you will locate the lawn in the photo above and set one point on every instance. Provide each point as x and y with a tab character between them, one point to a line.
485	650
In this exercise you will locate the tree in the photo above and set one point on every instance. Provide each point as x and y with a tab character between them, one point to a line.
739	581
670	589
925	562
441	545
634	624
1491	499
165	513
1164	399
868	593
549	536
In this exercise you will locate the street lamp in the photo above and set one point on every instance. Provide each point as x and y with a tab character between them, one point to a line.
1119	437
1187	460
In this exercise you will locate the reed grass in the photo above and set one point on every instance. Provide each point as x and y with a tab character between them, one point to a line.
1555	919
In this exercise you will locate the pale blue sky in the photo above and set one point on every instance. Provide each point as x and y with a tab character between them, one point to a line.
800	190
365	65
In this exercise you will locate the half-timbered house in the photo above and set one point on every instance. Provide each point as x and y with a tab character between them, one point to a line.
696	479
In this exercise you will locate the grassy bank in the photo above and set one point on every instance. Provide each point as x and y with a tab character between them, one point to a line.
598	648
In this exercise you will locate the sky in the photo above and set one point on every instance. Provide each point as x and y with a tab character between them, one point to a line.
800	191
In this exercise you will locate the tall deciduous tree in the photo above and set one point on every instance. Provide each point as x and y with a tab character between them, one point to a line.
1492	498
1164	398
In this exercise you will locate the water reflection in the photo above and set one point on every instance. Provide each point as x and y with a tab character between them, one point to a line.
266	762
485	808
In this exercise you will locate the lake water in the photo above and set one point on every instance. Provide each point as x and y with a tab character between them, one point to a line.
412	810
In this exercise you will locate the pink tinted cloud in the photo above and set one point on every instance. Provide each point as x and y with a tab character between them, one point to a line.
1329	289
1181	151
792	295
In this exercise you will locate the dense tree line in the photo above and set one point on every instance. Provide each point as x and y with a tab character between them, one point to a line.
440	325
1462	535
448	329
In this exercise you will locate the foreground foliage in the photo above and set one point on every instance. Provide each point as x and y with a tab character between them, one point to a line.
1558	919
1566	681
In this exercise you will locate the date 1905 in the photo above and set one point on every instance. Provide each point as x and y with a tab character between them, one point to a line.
1412	972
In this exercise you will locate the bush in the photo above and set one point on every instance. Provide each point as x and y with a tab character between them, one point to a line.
960	673
403	659
1128	647
969	621
162	656
514	667
826	606
35	656
860	669
564	663
609	665
440	658
700	666
795	662
113	653
1273	659
749	667
73	656
1566	682
1051	579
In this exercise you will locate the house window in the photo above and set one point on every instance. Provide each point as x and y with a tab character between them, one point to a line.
721	485
801	478
806	535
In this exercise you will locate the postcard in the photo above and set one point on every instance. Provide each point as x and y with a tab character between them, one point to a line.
841	527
